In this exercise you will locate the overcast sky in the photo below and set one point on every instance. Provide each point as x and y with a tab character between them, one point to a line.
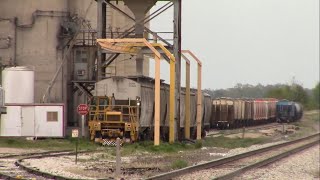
248	41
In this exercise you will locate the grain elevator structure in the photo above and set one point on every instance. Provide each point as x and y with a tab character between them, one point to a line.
57	40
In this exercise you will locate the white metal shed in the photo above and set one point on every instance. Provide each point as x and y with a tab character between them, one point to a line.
33	120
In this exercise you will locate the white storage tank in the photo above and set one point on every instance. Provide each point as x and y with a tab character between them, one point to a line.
18	85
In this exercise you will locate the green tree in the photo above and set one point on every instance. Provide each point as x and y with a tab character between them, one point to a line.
295	92
316	95
298	94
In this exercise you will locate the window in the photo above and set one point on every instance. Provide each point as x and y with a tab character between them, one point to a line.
52	116
81	56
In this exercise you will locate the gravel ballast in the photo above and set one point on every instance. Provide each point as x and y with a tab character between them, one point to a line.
303	165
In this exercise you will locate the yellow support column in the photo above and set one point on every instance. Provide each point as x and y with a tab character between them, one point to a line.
199	94
187	99
199	103
172	90
157	103
187	105
172	103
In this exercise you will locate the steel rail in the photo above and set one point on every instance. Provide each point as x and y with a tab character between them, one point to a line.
36	171
32	154
266	161
222	161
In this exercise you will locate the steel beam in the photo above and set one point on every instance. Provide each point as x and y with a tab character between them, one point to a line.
145	50
101	33
187	99
177	55
199	94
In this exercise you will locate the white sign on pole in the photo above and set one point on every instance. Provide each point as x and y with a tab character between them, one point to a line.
75	133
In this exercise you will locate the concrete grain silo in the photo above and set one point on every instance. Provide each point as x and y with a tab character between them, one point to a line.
37	33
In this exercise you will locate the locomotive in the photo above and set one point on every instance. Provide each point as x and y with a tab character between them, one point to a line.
288	111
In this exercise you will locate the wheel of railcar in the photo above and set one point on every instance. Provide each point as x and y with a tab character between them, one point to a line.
203	133
193	133
98	134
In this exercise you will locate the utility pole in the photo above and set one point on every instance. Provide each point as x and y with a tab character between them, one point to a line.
177	55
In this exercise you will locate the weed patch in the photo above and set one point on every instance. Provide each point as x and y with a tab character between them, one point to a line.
162	148
178	164
231	143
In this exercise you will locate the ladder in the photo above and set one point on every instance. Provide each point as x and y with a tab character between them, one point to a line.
133	121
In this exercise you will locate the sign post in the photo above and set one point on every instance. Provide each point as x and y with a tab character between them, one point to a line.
118	158
83	110
75	134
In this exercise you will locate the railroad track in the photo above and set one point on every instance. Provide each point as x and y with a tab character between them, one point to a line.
239	130
11	166
235	165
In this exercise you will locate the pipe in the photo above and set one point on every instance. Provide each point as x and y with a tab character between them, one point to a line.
15	43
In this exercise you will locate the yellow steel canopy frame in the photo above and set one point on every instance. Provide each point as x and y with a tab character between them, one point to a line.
132	46
199	98
187	99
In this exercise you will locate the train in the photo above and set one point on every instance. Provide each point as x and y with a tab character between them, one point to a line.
124	107
237	112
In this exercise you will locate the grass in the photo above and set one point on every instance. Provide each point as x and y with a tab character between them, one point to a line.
309	125
128	149
178	164
48	144
315	117
83	144
148	146
230	143
221	141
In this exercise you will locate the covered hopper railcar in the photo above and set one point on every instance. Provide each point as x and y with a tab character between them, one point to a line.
237	112
222	113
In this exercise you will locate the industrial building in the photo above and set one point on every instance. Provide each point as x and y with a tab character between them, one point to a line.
37	34
57	41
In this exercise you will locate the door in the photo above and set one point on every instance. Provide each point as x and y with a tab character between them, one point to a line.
27	121
11	122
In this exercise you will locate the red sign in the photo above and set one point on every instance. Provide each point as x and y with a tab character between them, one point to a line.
83	109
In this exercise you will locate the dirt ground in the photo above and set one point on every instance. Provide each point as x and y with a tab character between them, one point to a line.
138	164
